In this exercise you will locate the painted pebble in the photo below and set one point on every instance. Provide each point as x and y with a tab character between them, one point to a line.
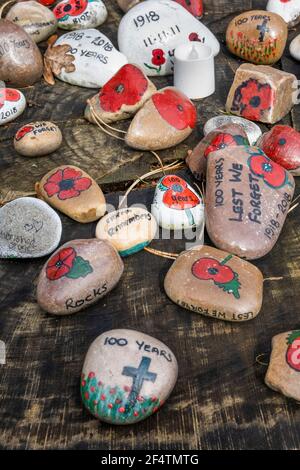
261	93
12	104
125	5
215	284
80	14
295	48
166	119
282	145
127	376
37	138
228	135
195	7
73	192
37	20
257	36
29	228
149	33
22	63
283	374
85	58
121	97
77	275
176	205
289	10
252	130
247	201
129	230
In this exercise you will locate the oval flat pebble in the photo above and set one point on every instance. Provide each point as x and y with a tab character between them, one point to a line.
295	48
252	130
129	230
12	104
77	275
29	228
37	138
37	20
289	10
73	192
80	14
247	200
215	283
127	376
176	205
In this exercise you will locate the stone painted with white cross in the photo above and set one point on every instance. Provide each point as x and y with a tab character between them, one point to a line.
127	376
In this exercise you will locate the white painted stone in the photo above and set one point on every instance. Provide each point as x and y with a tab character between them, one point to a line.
12	104
88	14
295	48
252	130
289	10
159	25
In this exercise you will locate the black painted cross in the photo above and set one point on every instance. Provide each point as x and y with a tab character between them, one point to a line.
138	375
263	29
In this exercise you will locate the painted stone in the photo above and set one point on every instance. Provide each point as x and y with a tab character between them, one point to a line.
77	275
283	374
166	119
295	48
127	376
282	145
195	7
257	36
125	5
29	228
228	135
80	14
261	93
215	284
176	205
37	138
21	64
73	192
37	20
149	33
247	200
122	96
129	230
289	10
85	58
47	3
12	104
252	130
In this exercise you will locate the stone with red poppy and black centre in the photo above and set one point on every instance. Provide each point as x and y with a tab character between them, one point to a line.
261	93
289	10
165	120
282	145
228	135
216	284
247	200
121	97
257	36
38	138
79	14
127	376
73	192
283	374
12	104
295	48
77	275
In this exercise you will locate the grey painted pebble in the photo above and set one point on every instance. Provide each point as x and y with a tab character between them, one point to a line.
252	130
37	138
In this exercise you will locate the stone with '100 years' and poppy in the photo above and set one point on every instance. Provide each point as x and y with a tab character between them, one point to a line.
77	275
261	93
12	104
37	138
77	14
215	283
73	192
127	376
166	119
121	97
247	200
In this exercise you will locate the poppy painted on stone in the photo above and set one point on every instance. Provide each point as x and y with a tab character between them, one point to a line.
195	7
221	141
157	59
272	174
70	8
60	264
175	108
177	194
66	184
8	94
194	37
23	131
252	98
282	145
293	350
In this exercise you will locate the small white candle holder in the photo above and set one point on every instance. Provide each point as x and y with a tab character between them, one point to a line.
194	70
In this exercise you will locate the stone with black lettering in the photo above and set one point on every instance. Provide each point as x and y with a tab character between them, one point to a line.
12	104
247	200
77	275
80	14
127	376
36	139
216	284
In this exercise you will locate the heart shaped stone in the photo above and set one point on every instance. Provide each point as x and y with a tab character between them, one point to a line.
80	14
12	104
252	130
127	376
289	10
37	138
149	33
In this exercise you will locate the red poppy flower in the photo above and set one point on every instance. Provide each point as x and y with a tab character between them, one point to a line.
127	86
175	108
23	131
177	195
252	98
60	264
221	141
66	184
195	7
273	174
158	57
194	37
282	145
47	3
209	268
70	8
8	94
